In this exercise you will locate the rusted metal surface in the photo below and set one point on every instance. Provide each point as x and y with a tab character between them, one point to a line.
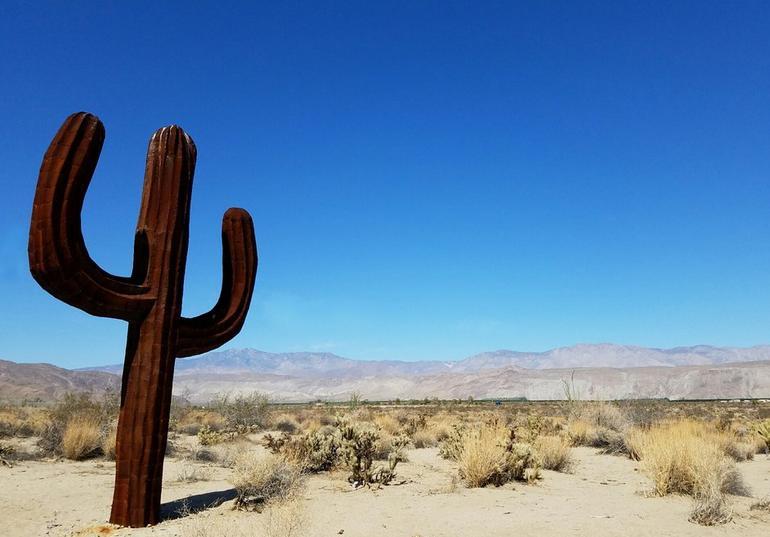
150	299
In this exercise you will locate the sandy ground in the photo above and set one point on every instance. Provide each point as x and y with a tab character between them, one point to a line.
602	497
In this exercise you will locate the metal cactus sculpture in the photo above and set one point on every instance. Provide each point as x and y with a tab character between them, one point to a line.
150	299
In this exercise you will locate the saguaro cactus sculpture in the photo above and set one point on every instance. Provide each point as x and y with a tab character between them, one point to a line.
150	299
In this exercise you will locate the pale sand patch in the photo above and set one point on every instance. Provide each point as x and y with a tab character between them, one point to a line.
601	498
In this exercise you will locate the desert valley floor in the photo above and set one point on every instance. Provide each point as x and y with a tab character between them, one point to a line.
603	496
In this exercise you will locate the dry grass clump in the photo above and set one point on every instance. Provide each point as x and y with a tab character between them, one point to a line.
762	431
216	526
388	424
286	519
260	478
286	423
554	453
686	457
424	438
225	454
761	505
22	421
78	425
734	444
489	455
192	420
192	473
7	454
9	422
441	427
109	441
598	424
82	438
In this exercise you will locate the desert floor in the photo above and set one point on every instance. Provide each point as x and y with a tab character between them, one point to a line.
603	496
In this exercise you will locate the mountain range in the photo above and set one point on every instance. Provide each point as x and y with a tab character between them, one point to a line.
309	364
600	371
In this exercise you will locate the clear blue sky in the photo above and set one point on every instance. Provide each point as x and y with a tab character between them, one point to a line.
427	180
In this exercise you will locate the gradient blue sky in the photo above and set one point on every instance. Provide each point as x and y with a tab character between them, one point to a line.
427	179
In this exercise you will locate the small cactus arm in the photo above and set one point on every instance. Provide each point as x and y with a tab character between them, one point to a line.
150	299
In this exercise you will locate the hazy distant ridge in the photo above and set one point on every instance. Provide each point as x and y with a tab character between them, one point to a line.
309	364
600	371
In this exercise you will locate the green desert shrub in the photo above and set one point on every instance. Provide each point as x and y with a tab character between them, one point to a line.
242	413
312	452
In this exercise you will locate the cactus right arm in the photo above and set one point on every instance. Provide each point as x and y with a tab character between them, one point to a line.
58	257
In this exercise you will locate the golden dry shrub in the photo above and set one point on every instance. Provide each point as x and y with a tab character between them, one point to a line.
108	444
424	438
481	457
260	478
286	423
36	420
762	432
554	453
599	424
487	457
82	438
286	519
10	422
388	424
688	457
578	432
194	419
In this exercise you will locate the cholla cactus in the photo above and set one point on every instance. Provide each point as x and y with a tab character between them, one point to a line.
358	446
522	463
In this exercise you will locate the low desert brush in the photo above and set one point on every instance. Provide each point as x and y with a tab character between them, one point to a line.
192	473
312	452
683	457
109	441
388	424
260	478
425	438
210	437
489	455
192	420
92	417
82	438
7	454
762	430
286	519
243	413
598	424
554	453
286	424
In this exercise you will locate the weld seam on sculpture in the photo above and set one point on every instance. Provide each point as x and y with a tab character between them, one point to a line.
150	299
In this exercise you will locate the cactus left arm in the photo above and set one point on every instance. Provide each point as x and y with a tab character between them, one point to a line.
239	270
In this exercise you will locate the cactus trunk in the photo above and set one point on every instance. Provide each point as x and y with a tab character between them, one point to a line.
148	369
150	299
